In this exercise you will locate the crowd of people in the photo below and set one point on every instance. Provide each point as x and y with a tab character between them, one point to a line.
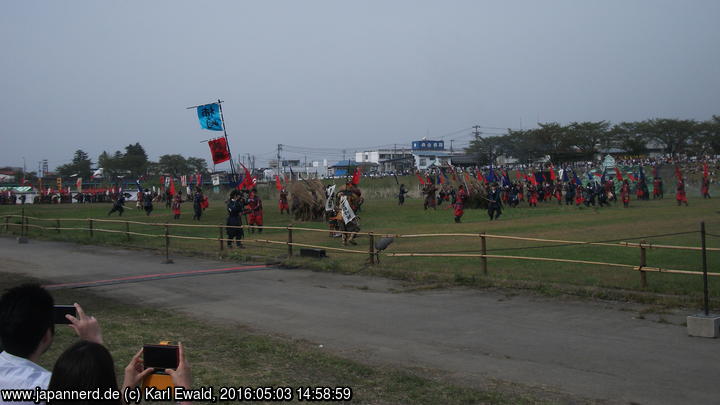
27	329
594	188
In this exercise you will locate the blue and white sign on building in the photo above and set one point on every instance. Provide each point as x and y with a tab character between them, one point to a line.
426	144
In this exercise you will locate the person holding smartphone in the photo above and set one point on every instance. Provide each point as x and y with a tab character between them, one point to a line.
27	329
136	371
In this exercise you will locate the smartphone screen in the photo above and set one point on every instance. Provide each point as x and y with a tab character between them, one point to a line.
160	356
61	310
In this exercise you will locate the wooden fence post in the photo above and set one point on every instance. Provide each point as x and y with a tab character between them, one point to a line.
643	263
371	248
127	230
220	238
290	241
483	250
90	227
706	300
57	225
167	245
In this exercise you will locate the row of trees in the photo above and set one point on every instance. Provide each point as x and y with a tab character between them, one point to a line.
134	163
581	140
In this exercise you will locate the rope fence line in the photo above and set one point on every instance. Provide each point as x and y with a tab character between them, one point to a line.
548	259
372	250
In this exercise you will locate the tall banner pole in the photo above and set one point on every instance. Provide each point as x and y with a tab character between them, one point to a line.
232	165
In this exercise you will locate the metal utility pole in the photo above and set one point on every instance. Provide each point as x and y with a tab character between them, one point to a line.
476	131
278	157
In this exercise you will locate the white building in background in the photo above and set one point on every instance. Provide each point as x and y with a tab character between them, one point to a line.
429	153
388	160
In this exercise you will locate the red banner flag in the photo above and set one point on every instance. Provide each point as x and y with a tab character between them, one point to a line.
552	173
198	180
518	175
356	177
422	181
248	180
618	174
172	186
631	177
278	184
219	150
706	172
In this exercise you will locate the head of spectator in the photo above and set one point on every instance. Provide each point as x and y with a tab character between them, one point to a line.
84	366
26	321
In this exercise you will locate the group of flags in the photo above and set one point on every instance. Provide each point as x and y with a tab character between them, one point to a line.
538	177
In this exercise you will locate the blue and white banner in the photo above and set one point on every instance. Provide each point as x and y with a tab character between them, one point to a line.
209	116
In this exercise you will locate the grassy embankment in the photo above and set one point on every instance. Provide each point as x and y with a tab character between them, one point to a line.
230	355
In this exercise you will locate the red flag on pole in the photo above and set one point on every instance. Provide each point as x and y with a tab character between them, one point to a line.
219	150
480	177
356	177
247	179
552	173
631	177
706	172
518	175
278	184
172	186
618	174
422	181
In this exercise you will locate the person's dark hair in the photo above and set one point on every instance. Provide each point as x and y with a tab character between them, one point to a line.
84	366
26	313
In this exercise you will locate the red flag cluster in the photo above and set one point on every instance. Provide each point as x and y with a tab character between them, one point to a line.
248	180
618	174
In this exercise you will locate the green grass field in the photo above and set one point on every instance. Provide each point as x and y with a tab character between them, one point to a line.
644	220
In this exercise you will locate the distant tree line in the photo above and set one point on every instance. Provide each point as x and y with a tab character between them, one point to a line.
133	163
581	140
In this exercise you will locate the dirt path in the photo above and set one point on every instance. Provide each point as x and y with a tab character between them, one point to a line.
587	349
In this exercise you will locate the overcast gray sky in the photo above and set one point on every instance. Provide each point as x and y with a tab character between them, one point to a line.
98	75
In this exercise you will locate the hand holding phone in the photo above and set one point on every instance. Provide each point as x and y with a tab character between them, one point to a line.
60	311
160	357
86	327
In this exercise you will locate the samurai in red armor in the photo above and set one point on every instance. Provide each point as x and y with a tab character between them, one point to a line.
680	194
283	203
625	193
255	211
459	205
